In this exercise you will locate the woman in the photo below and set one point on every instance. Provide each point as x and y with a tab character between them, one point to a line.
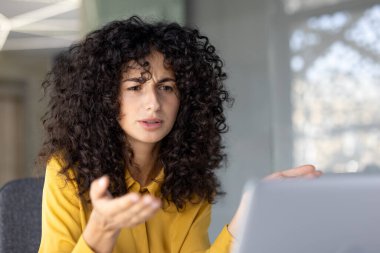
133	141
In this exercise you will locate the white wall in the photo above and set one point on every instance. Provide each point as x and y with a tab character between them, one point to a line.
26	69
241	32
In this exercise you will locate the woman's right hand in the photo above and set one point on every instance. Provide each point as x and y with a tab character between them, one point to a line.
110	215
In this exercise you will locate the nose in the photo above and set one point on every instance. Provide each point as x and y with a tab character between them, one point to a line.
152	99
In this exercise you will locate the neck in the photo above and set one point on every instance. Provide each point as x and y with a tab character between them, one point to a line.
146	159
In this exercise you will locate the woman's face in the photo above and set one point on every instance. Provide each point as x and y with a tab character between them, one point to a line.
149	101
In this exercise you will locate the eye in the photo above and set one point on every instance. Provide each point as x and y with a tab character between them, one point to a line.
134	88
166	88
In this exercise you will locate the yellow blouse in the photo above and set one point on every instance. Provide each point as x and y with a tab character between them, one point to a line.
64	219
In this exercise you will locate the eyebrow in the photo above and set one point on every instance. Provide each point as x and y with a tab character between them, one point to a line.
163	80
166	79
134	79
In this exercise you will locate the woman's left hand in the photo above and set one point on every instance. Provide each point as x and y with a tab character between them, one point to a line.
304	171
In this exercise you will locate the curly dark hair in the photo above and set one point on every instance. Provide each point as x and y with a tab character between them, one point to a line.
81	122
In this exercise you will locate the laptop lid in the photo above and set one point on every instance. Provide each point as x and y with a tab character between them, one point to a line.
332	214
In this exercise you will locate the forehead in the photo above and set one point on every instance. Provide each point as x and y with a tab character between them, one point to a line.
154	63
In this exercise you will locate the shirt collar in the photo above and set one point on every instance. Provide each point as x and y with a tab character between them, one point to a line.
153	187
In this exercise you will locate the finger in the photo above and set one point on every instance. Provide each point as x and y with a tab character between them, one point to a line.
318	173
313	175
295	172
299	171
143	215
111	208
124	203
140	211
150	207
99	189
146	201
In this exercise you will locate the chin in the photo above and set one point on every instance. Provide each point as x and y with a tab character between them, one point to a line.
151	140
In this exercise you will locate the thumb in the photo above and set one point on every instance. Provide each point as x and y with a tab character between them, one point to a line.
98	188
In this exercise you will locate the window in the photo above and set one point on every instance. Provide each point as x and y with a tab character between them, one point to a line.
335	85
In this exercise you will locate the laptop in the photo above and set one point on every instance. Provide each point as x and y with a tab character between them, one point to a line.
337	213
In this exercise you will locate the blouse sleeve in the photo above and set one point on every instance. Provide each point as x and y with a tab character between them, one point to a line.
197	240
62	219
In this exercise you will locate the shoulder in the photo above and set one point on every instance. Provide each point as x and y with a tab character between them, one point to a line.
54	175
54	164
202	206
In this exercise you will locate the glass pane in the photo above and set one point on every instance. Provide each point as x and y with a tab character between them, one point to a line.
293	6
336	90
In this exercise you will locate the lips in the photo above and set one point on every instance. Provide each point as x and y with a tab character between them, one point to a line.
151	121
150	124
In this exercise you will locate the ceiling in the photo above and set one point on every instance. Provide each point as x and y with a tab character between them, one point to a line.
37	24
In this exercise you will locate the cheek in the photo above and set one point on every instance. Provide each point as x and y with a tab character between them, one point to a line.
175	107
123	113
125	106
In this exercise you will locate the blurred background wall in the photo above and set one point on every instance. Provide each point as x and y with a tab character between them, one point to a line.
305	75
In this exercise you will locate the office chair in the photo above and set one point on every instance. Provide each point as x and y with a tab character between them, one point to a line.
20	215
